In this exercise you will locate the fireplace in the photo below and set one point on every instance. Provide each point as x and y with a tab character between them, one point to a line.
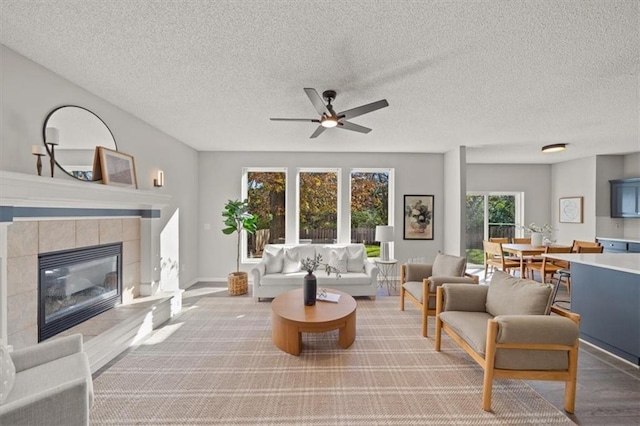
75	285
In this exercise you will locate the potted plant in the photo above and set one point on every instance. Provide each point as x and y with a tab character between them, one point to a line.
236	219
537	232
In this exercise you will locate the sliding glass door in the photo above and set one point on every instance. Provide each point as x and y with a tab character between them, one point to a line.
490	215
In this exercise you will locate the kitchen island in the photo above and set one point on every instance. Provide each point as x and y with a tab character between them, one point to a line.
605	291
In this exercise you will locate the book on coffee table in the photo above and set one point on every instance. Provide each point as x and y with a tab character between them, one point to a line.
328	297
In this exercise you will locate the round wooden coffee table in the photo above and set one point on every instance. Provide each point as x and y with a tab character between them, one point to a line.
290	318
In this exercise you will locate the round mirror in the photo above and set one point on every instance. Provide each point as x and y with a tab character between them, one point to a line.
79	132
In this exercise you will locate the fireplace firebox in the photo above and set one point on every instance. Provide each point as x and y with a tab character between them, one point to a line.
78	284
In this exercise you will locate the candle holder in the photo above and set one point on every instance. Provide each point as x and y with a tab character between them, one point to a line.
52	156
39	163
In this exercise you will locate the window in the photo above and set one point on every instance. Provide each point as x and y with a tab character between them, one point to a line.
370	204
265	191
318	195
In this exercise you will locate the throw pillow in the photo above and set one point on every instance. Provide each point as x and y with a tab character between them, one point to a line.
338	260
508	295
273	261
355	259
7	373
291	262
448	266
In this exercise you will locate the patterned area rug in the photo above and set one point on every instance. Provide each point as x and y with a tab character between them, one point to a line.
216	365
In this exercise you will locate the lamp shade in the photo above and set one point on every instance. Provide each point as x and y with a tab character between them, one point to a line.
384	233
51	135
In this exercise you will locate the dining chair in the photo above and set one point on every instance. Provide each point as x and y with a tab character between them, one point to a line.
494	257
500	240
565	273
548	266
521	240
577	244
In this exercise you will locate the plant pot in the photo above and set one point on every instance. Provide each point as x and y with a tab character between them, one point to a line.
238	283
536	239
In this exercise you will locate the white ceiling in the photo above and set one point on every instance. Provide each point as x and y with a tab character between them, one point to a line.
502	78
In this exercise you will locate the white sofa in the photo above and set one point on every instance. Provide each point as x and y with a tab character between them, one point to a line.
279	269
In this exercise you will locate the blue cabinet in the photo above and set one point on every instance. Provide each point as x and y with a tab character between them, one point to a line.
625	197
618	246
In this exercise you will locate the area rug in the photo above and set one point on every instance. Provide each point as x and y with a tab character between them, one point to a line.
216	365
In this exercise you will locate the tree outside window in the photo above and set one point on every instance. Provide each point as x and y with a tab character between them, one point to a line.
266	196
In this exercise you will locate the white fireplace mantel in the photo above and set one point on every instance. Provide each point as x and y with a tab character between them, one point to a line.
31	197
23	190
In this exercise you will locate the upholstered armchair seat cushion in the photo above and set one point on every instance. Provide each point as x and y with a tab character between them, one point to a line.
470	326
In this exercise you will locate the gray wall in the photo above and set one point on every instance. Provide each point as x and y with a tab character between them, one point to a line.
30	92
220	176
534	180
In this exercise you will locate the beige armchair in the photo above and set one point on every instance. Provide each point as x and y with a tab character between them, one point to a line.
506	328
419	281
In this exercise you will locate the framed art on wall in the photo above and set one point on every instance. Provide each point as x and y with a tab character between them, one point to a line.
418	217
571	210
115	168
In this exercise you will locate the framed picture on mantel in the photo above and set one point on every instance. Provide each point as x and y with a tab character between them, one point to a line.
115	167
571	210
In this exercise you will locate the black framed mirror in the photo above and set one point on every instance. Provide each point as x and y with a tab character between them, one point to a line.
80	131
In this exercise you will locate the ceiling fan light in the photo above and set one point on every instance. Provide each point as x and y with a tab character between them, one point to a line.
329	122
556	147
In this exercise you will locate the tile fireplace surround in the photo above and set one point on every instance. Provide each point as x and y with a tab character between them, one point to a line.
39	214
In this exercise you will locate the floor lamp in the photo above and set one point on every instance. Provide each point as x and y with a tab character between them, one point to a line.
384	235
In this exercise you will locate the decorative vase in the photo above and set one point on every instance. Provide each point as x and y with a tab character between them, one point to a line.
536	239
310	289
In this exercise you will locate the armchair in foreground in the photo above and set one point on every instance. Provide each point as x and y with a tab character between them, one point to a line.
52	385
507	329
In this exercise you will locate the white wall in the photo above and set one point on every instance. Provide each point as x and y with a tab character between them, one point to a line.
220	175
455	183
30	92
608	167
576	178
631	169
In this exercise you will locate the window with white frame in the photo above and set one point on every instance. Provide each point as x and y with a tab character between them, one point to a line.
318	205
371	203
265	190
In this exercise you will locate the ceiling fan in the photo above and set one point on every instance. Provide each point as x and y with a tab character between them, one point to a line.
329	118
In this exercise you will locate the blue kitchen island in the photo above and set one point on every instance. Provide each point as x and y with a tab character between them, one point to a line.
605	291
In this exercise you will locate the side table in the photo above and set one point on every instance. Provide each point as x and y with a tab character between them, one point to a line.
387	273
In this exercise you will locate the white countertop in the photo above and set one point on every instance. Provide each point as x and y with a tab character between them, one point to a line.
625	262
622	240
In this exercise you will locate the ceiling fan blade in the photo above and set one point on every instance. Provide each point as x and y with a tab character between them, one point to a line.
354	112
317	101
318	132
308	120
347	125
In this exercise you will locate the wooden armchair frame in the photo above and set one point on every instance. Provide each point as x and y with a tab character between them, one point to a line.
487	363
424	307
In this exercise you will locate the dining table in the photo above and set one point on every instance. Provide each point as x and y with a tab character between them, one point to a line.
522	251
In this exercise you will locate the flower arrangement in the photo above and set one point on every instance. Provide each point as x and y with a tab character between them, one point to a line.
311	264
532	227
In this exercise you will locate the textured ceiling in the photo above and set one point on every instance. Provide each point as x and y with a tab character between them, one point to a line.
502	78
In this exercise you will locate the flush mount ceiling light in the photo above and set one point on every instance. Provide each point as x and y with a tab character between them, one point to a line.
556	147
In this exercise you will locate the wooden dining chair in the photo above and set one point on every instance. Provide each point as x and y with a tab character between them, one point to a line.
521	240
494	257
577	244
548	266
500	240
564	273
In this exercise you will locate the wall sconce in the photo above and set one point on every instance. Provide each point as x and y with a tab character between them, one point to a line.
159	180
